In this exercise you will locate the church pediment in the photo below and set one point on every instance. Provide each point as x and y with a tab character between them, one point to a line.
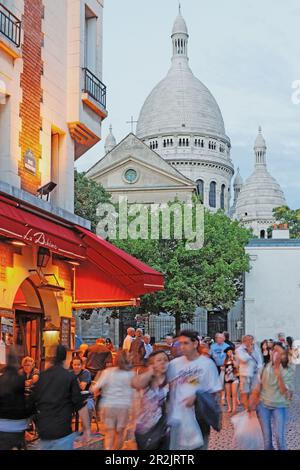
132	153
134	174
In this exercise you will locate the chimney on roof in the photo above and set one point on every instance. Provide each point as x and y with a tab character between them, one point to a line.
280	232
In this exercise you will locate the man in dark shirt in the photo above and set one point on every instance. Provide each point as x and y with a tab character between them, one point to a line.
14	409
98	357
227	340
56	396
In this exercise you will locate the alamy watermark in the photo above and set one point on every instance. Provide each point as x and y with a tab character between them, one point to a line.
177	220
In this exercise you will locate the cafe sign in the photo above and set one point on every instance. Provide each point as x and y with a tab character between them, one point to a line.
30	161
39	238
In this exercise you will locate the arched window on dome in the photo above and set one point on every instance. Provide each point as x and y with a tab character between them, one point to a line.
212	194
179	142
202	143
200	189
262	234
222	197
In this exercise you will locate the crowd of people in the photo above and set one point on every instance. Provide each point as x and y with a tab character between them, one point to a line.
163	396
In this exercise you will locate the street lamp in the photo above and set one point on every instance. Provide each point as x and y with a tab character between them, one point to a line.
46	190
43	257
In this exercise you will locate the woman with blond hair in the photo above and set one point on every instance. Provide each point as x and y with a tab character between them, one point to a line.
30	372
116	400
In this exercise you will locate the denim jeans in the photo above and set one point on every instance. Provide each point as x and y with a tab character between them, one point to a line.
65	443
279	415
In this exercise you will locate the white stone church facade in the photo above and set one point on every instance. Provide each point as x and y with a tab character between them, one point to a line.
181	148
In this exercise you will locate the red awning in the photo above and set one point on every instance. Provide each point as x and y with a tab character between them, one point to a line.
106	275
18	222
107	264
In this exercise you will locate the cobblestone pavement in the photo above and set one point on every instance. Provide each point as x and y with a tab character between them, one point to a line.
224	439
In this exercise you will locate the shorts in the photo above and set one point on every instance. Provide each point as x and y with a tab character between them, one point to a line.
235	381
248	384
115	418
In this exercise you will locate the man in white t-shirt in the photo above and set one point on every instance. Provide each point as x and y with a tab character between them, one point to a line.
147	345
129	338
188	374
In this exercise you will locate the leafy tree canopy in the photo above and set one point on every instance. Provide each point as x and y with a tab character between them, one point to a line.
208	277
291	217
88	195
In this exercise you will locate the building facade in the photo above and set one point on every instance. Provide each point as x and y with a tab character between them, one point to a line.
132	169
52	97
52	104
269	309
255	199
182	123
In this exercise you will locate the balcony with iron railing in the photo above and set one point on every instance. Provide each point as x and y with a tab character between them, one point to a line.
85	130
94	88
10	26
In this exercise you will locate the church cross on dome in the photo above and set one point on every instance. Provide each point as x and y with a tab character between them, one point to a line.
132	122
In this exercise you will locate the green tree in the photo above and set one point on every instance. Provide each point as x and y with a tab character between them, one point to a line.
88	195
208	277
291	217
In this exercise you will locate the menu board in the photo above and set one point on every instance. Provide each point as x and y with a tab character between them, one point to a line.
2	352
6	330
65	332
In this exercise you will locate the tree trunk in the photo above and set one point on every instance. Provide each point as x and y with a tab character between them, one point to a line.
216	323
177	323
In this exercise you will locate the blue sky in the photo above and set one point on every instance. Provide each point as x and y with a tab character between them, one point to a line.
246	52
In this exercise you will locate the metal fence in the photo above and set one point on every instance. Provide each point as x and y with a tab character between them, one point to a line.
158	326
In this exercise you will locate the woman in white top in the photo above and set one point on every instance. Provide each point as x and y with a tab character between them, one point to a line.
116	400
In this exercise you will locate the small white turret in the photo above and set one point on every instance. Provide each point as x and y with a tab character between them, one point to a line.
110	141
